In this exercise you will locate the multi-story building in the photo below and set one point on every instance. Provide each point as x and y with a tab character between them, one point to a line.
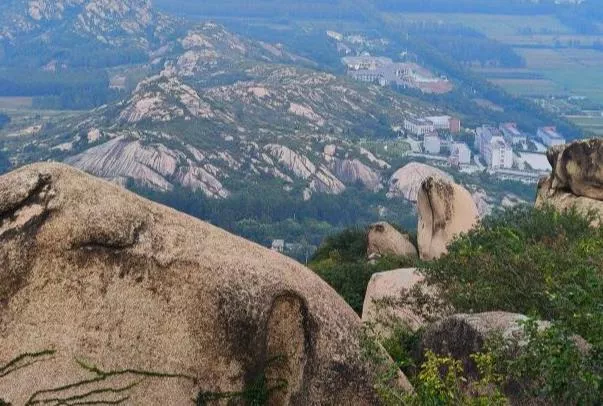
500	155
550	137
512	134
460	154
418	126
493	148
447	123
432	143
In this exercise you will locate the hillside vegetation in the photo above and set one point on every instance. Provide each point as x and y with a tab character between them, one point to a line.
535	262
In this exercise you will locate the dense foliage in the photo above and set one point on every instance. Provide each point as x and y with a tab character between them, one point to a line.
528	261
265	212
73	89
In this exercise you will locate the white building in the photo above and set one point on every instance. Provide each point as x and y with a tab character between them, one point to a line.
440	122
500	156
460	154
493	148
432	143
512	134
278	246
550	137
418	126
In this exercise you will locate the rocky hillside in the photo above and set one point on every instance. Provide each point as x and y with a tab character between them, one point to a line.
223	111
112	22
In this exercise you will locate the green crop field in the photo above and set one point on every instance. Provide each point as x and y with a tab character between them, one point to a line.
493	26
10	103
592	124
530	87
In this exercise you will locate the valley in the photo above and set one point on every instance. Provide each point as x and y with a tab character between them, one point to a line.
198	114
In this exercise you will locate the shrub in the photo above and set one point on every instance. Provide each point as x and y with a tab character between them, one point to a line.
529	261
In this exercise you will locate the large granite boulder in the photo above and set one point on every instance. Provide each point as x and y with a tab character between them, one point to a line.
133	300
382	307
383	240
406	181
578	168
461	335
576	180
446	210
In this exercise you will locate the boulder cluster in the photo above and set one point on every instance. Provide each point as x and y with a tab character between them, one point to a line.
106	295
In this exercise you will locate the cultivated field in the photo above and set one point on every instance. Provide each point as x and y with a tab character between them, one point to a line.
493	26
592	124
10	103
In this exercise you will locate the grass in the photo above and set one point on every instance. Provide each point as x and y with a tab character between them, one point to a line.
389	149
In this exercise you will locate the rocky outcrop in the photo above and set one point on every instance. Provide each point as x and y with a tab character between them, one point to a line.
578	168
164	98
381	308
446	210
168	306
464	334
576	180
352	171
406	182
151	165
461	335
383	239
319	177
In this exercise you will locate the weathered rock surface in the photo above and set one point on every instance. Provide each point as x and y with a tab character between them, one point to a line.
576	180
464	334
352	171
319	177
578	168
461	335
152	165
380	302
164	98
383	239
564	201
99	274
406	182
446	210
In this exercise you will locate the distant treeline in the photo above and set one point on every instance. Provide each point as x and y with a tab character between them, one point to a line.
75	54
265	212
311	9
465	44
583	18
73	89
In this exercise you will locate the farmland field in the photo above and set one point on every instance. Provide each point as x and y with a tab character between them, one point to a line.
593	124
10	103
531	87
493	26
